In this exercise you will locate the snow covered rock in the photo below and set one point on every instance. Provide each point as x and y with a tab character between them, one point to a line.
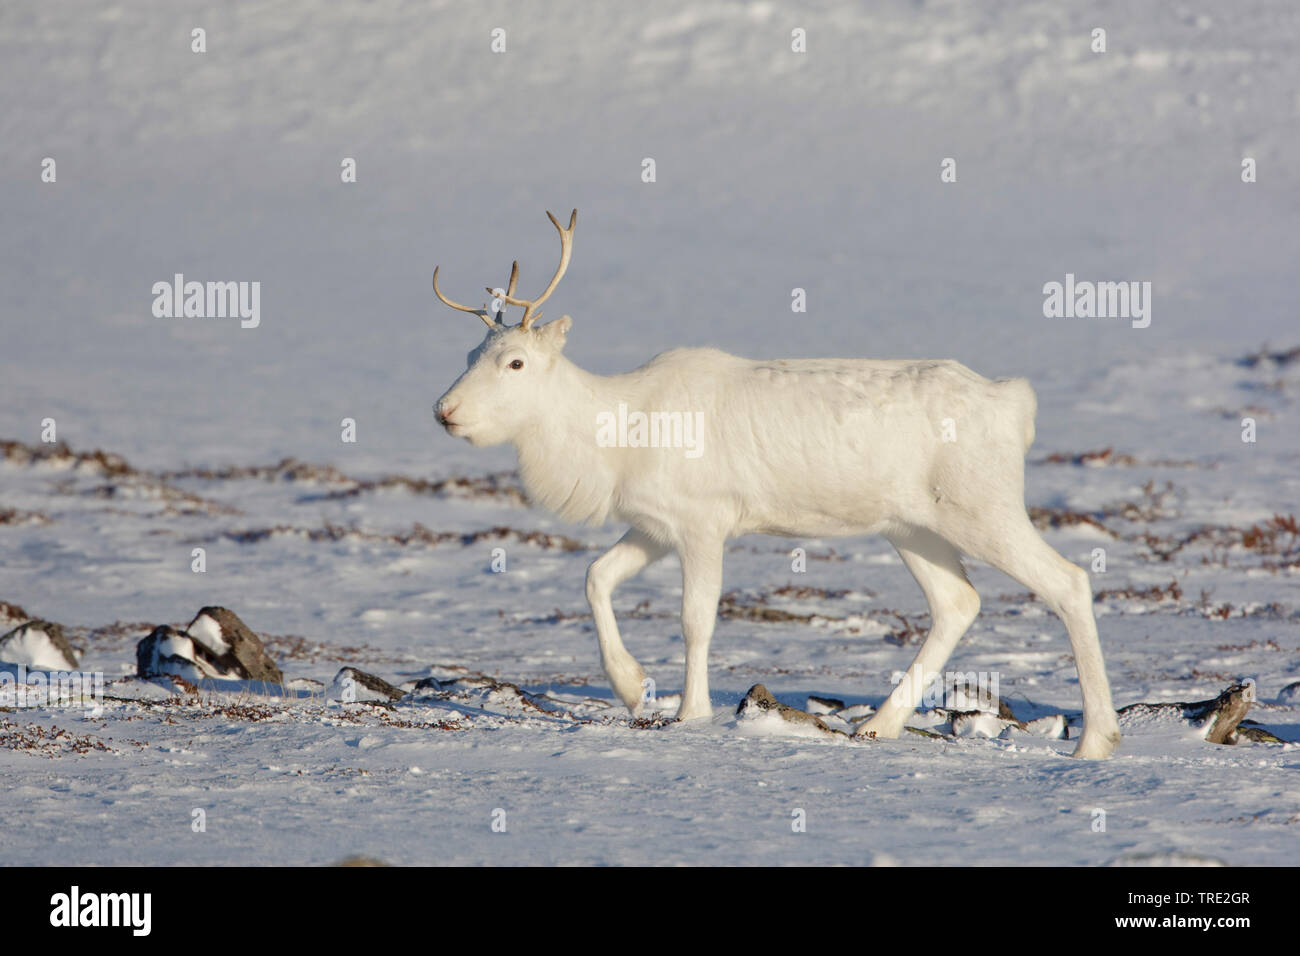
759	704
972	696
1257	734
980	723
351	685
168	652
823	705
40	645
1290	694
486	692
1053	727
1217	719
857	713
232	646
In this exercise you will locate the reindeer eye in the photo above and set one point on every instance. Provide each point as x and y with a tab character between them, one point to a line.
517	364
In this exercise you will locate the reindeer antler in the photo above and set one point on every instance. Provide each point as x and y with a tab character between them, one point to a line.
530	305
481	313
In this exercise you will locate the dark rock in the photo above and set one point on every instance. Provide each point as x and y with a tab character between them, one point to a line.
364	687
823	705
1221	716
968	696
922	732
1218	717
233	647
1257	734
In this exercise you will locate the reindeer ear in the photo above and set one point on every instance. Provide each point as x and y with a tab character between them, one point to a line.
555	332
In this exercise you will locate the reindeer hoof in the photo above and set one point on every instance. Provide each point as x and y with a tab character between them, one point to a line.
872	730
1097	746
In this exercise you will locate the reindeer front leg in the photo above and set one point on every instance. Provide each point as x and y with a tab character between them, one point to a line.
630	555
701	588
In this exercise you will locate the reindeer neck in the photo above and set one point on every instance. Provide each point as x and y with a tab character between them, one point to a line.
562	468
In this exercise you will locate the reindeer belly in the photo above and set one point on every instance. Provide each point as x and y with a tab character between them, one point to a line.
836	486
838	501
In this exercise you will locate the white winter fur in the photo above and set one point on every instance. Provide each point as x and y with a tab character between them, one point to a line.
800	448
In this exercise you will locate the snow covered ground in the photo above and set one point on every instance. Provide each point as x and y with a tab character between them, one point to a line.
774	170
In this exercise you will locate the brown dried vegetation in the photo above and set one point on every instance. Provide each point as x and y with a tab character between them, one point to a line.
1108	457
47	741
15	517
499	485
418	535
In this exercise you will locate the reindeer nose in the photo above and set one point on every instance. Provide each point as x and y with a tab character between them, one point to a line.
443	413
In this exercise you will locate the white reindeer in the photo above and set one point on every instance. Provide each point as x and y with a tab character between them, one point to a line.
807	448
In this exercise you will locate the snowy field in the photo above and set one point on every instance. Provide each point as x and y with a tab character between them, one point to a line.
775	170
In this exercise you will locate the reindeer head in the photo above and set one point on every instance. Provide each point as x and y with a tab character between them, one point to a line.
505	385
